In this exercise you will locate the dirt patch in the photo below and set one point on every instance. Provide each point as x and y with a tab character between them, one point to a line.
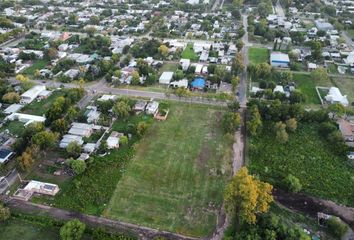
203	156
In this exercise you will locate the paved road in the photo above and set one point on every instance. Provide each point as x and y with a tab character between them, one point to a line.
279	9
92	221
10	179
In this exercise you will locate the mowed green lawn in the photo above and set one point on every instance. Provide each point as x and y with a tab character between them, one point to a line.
176	180
40	107
189	53
39	64
18	229
307	85
258	55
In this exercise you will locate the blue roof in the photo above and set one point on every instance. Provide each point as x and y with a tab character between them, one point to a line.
4	153
198	83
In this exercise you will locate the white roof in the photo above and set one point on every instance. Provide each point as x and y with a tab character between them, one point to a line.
25	118
36	185
112	142
180	83
278	88
279	57
33	92
107	97
166	77
335	96
13	108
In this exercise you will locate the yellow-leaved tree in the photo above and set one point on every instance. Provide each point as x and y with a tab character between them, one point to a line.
246	196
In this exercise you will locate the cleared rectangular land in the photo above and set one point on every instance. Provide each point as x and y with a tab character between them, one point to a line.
176	180
258	55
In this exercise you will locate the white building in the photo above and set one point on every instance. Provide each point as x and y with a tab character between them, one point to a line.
181	83
31	94
81	129
278	59
185	63
152	107
335	96
13	108
67	139
25	118
166	77
107	97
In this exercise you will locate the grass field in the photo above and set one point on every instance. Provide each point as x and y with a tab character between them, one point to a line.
258	55
18	229
308	86
307	156
39	108
176	179
39	64
189	53
168	67
14	127
351	33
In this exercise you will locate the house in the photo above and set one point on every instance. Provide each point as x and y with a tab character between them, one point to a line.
152	107
107	97
278	88
31	94
140	106
72	73
166	77
5	155
33	187
13	108
25	118
335	96
323	25
347	129
198	69
68	138
89	147
181	83
278	59
113	140
81	129
92	115
311	66
185	63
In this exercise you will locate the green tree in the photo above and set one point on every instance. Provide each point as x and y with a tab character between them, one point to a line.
337	228
281	134
291	124
320	74
141	128
231	122
246	196
45	139
11	97
135	78
237	64
72	230
4	213
123	140
73	149
316	50
292	183
337	109
121	109
78	166
234	82
255	121
60	126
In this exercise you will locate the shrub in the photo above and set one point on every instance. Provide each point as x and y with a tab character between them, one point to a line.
78	166
293	183
72	230
336	228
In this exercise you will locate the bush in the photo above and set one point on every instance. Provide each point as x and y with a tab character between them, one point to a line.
78	166
336	228
292	183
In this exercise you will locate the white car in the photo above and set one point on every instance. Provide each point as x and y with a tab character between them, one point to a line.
351	155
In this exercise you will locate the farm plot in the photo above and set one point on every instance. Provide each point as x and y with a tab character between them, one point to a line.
175	181
308	157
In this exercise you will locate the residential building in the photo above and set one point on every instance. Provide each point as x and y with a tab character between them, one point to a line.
31	94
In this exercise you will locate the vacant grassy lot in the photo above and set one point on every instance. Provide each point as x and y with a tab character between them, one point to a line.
176	179
189	53
38	64
258	55
168	67
307	85
18	229
40	107
308	157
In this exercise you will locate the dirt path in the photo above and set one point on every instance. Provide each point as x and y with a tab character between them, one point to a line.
92	221
237	163
311	206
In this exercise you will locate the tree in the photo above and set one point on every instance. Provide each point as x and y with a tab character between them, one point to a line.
231	122
237	64
141	128
237	3
21	78
135	78
337	228
37	73
73	149
72	230
123	140
293	183
163	50
45	139
60	126
27	158
239	44
52	53
4	213
337	109
94	20
71	114
255	121
11	97
121	109
182	92
316	50
281	134
291	124
78	166
234	82
246	196
320	74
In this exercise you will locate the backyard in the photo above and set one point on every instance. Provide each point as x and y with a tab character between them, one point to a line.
189	53
176	179
258	55
38	64
40	107
321	172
